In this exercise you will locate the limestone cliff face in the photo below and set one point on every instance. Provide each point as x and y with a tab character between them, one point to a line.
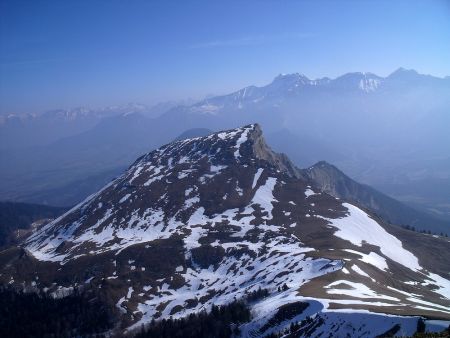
262	151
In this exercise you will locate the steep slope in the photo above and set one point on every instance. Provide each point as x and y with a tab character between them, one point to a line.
331	180
208	220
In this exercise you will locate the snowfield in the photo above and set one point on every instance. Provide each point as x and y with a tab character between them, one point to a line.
358	228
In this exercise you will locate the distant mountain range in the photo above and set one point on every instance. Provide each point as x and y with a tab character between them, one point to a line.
40	129
389	132
222	218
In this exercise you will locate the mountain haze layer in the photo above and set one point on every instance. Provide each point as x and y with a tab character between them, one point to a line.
400	122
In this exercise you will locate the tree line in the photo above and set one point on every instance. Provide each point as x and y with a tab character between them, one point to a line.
428	232
41	315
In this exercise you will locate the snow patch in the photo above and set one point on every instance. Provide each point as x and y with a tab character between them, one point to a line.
256	178
358	228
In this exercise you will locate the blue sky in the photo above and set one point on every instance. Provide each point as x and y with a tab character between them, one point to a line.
61	54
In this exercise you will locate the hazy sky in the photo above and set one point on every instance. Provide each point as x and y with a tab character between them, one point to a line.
57	54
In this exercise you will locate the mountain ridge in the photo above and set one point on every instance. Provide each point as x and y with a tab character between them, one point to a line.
330	179
207	220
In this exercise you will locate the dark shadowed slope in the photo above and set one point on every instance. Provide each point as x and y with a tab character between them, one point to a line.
331	180
16	219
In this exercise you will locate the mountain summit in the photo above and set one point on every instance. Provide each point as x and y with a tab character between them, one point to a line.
208	220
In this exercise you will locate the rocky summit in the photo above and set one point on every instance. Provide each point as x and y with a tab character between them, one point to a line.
209	220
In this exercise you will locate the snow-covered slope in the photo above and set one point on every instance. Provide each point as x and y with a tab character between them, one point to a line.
208	220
